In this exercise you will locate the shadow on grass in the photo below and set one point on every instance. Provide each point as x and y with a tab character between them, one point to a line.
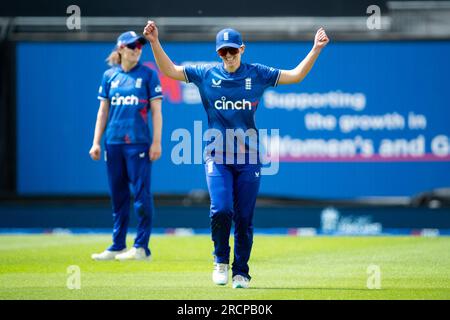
309	288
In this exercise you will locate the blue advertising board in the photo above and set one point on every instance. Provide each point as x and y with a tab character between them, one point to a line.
371	119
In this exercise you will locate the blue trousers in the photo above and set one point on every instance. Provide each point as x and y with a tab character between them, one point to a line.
233	190
129	164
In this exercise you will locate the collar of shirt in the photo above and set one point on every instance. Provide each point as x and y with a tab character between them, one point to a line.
232	74
131	70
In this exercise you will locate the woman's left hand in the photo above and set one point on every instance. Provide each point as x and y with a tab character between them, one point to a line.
155	151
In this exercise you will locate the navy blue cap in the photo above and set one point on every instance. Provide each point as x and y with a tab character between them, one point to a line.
228	38
130	37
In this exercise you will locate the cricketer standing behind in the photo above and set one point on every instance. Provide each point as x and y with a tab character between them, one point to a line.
127	92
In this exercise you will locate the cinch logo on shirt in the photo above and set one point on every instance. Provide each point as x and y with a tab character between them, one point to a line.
223	104
125	100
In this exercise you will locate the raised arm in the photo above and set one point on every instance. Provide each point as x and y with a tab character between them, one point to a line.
299	73
162	59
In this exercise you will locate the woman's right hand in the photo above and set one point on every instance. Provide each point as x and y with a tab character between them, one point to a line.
151	31
95	152
321	39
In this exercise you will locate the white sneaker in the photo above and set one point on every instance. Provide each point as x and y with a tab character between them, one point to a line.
240	282
106	255
133	254
220	274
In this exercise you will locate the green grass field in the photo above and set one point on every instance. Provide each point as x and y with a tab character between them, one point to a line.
282	267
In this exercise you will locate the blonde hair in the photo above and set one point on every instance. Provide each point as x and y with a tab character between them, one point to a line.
114	58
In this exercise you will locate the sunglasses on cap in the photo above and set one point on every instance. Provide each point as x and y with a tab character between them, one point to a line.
223	51
134	45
